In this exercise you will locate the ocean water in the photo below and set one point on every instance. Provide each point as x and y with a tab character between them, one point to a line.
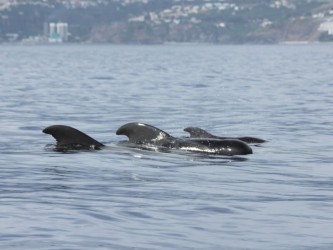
280	197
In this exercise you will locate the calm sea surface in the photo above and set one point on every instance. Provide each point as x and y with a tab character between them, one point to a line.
281	197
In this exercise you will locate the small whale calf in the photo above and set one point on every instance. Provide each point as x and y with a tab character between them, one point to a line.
142	135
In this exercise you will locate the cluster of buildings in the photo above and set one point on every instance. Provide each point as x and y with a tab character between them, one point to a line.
53	33
182	11
56	32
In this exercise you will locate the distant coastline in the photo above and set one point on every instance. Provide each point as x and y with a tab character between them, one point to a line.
167	21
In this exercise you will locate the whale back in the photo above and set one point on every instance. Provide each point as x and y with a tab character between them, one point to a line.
140	133
71	138
215	146
200	133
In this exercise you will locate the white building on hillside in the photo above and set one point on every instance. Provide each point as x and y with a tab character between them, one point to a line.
326	27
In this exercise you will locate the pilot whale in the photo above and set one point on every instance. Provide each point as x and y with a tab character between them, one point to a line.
140	134
200	133
144	134
69	138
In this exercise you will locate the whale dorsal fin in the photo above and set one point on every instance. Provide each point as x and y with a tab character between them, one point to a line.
141	133
198	133
67	136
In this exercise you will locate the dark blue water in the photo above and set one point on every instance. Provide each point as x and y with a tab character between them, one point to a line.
281	197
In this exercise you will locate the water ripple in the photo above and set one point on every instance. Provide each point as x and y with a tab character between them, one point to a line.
118	198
